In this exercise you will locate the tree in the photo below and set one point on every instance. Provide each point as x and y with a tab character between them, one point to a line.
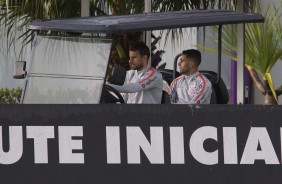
263	50
15	14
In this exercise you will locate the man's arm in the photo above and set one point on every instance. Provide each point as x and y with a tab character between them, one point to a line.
172	92
137	86
151	80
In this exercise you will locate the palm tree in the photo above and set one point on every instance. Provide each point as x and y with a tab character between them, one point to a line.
263	49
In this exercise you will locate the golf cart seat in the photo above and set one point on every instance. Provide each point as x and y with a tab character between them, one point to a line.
168	75
165	98
219	90
220	93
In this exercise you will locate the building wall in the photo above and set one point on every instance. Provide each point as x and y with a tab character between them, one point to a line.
7	61
172	47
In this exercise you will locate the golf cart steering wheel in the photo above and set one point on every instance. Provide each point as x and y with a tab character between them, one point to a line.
111	95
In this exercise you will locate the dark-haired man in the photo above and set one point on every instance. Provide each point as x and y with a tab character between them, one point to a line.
191	87
143	84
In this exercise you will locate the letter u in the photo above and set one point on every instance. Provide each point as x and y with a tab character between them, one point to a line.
15	145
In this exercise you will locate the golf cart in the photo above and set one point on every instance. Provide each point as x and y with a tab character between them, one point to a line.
52	141
72	69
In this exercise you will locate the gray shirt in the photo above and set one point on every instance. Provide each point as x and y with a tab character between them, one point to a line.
192	89
144	86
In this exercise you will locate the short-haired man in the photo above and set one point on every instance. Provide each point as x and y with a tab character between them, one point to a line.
191	87
143	84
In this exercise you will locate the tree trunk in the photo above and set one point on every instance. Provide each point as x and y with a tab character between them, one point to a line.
268	97
269	100
263	88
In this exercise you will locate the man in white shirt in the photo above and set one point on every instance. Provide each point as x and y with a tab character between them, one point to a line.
143	84
191	87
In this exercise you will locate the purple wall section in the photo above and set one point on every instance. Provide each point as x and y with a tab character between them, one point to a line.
247	81
248	87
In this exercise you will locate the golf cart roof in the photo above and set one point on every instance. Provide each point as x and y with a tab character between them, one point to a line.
146	22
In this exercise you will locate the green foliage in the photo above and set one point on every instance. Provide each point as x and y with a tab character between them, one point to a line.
15	15
263	42
10	96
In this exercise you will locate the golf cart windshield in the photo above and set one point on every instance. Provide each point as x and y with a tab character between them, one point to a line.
67	70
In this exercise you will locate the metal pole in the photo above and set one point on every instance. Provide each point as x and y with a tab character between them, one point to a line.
219	48
219	53
175	65
85	8
241	57
148	39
